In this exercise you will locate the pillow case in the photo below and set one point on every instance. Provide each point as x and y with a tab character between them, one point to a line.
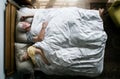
25	12
22	66
20	36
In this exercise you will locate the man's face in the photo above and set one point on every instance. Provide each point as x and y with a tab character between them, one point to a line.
26	26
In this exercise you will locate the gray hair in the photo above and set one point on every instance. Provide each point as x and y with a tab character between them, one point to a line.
20	27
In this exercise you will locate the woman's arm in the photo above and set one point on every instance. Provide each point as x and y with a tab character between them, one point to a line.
31	51
40	51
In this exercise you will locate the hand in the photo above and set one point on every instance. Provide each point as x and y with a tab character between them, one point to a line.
44	24
24	57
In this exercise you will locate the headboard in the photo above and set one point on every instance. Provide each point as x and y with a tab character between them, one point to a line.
10	14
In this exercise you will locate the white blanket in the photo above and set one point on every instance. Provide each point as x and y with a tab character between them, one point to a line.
74	41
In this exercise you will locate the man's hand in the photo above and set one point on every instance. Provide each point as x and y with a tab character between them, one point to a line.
40	36
44	24
36	39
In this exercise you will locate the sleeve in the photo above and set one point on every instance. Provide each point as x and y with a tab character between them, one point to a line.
30	37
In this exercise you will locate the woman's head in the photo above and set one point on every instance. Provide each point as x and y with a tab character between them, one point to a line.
25	57
23	26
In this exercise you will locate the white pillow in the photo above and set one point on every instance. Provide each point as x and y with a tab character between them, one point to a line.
20	36
25	12
20	14
25	66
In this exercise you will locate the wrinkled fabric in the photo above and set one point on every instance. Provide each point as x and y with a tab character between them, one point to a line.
74	42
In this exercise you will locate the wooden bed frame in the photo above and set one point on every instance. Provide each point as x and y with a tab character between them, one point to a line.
9	59
10	22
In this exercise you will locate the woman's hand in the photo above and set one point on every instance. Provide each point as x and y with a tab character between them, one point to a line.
24	57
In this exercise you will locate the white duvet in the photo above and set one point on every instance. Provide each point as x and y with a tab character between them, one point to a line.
74	41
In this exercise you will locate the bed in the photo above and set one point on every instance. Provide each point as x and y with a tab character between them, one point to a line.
69	50
78	50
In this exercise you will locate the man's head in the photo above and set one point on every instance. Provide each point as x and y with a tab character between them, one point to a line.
23	26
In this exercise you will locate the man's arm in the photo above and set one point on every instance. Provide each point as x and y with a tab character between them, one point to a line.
25	17
30	16
41	34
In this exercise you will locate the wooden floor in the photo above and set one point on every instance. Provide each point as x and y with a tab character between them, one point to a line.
65	3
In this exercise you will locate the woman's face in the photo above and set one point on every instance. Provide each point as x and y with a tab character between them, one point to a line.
26	26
